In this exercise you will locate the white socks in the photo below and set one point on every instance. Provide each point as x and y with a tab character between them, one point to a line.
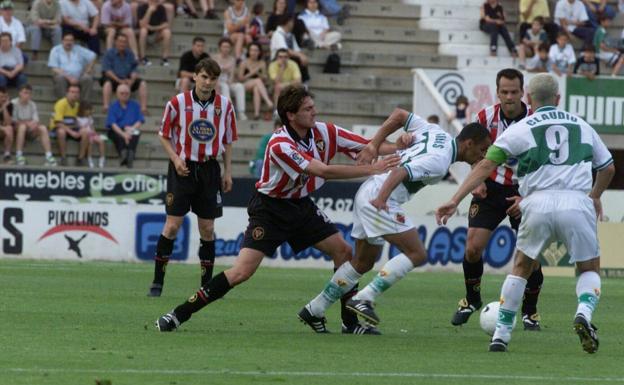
588	293
340	283
390	273
511	299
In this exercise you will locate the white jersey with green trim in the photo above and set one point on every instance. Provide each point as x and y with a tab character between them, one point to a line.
426	160
556	150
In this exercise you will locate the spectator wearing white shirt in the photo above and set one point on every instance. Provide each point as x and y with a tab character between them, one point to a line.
318	27
562	55
45	20
283	38
82	18
10	24
71	65
571	16
11	63
117	18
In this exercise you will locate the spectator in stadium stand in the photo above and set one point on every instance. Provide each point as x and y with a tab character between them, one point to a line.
492	22
119	66
11	63
236	19
123	123
45	21
188	61
256	25
330	8
532	9
228	84
588	64
71	64
531	39
153	24
11	24
571	16
299	29
168	4
283	38
562	55
597	8
82	19
318	27
6	128
64	124
540	62
283	72
27	125
186	7
117	18
607	48
253	74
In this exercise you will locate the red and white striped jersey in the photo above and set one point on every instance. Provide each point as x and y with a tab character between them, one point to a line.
287	157
492	119
198	130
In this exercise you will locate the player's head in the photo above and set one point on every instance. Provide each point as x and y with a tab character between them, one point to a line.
472	143
206	74
295	107
543	90
509	88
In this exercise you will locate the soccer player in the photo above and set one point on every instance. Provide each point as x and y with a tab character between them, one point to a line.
197	127
377	214
295	164
495	199
556	154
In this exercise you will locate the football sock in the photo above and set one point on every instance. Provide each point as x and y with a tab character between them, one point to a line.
531	293
390	273
206	259
340	283
588	293
511	296
472	279
215	289
164	247
348	318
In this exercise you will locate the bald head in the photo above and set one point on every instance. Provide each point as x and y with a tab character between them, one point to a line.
543	90
123	93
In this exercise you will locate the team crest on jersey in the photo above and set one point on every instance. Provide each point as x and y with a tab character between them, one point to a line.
257	233
169	199
474	209
400	217
296	157
320	145
202	130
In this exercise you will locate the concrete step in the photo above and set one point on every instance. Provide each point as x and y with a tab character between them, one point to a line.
473	49
484	62
361	82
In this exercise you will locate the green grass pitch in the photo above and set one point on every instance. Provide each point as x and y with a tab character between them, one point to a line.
74	323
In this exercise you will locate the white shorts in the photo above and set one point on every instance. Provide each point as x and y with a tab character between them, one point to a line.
371	224
567	217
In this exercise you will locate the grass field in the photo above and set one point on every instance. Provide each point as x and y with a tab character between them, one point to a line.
72	323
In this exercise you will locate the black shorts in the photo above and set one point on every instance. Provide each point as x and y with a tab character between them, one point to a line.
273	221
488	212
133	87
200	191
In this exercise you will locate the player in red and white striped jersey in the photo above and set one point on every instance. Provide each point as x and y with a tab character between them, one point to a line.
296	163
197	127
496	199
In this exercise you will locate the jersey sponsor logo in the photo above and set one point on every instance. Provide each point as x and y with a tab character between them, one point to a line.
202	130
296	157
257	233
320	145
474	209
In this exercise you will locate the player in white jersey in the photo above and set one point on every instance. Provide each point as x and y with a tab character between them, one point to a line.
556	153
377	213
296	163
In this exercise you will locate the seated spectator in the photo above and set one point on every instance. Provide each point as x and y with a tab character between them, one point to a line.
45	20
541	61
330	8
188	61
283	72
168	4
71	65
607	49
572	18
27	125
461	107
119	66
299	29
186	7
562	55
588	64
6	128
85	122
116	19
11	63
236	20
123	123
596	9
256	25
82	19
227	80
492	22
531	39
64	124
279	9
255	165
12	25
532	9
318	27
253	73
283	38
153	23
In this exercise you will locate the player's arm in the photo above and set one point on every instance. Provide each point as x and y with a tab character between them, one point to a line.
392	181
226	182
179	164
395	121
339	171
603	179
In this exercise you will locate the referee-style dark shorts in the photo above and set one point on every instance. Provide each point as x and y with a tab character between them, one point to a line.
489	212
200	191
273	221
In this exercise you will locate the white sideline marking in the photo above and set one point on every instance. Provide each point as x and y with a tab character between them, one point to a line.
320	374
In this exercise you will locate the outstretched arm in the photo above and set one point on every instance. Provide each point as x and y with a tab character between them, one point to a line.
338	171
395	121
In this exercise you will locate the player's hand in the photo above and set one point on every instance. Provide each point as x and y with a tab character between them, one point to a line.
386	163
404	141
180	167
444	212
226	183
379	204
367	155
598	208
514	210
480	192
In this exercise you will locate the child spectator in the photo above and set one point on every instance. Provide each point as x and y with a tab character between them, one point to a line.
562	55
45	20
531	9
85	122
256	26
541	61
188	61
318	27
11	63
531	40
283	72
227	84
606	48
253	73
492	22
461	105
588	64
6	128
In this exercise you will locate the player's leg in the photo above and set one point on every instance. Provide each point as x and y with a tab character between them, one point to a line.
588	291
206	248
